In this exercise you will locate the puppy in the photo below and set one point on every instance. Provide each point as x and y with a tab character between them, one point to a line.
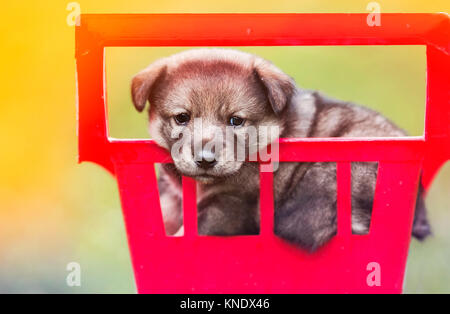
223	96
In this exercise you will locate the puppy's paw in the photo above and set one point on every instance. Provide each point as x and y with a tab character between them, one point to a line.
179	233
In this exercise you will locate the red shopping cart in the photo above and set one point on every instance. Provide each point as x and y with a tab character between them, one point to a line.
265	263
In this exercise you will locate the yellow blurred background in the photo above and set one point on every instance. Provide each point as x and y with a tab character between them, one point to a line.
54	211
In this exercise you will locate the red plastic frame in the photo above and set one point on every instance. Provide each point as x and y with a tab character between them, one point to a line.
264	263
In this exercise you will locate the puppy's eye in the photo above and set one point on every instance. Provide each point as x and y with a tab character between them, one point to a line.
236	121
182	118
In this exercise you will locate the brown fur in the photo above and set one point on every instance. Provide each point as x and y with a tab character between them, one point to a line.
215	84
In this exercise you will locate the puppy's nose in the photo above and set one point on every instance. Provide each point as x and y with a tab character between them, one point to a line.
205	159
205	164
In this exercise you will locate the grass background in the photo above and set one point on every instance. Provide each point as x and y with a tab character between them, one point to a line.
54	211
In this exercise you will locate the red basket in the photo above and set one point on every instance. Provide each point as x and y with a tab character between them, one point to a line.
265	263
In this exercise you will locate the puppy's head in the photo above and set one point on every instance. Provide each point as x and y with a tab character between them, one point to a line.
212	108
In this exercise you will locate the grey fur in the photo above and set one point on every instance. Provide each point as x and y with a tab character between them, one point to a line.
214	83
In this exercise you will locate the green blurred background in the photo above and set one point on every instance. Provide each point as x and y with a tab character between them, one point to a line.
54	211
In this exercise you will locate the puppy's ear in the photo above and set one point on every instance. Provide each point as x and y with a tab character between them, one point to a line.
278	86
144	83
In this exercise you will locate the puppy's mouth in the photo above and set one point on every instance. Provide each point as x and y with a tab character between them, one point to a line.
210	175
206	174
206	178
202	176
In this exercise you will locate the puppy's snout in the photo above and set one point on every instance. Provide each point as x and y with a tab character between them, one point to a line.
205	159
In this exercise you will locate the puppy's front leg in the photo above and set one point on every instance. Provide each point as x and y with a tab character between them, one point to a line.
228	214
170	200
308	217
180	232
172	212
